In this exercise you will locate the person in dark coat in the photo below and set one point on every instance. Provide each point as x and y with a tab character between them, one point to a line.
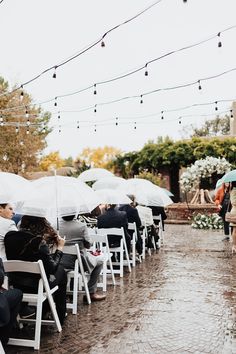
133	217
31	243
114	218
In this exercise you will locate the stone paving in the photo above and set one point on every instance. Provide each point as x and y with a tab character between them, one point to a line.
182	299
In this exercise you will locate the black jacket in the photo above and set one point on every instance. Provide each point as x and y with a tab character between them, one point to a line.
132	214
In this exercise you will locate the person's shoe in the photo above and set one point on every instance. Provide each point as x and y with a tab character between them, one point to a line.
97	297
27	312
227	238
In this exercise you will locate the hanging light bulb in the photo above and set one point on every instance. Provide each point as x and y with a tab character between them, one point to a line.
135	125
102	44
219	43
116	121
28	123
180	120
26	112
199	85
78	125
59	129
162	114
22	93
141	99
146	71
216	108
95	108
95	128
54	76
231	114
58	117
94	91
55	103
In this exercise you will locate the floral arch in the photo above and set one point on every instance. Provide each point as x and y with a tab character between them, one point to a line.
190	179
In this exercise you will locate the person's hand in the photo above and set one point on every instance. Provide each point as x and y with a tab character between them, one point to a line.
60	243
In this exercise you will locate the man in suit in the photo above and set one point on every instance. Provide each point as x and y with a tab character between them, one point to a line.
114	218
133	216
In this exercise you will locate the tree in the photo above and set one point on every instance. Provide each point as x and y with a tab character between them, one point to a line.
23	129
52	160
213	127
99	157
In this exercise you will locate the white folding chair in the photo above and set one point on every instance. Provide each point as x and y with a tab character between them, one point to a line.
1	348
44	292
132	226
101	241
120	250
79	277
160	229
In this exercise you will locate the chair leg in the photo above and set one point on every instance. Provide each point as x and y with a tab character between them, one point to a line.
38	323
75	296
127	256
111	269
133	251
122	261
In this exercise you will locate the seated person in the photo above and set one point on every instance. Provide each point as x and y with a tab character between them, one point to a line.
133	216
31	243
6	224
10	301
76	231
114	218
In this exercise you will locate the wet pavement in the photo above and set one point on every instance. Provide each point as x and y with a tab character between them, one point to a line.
182	299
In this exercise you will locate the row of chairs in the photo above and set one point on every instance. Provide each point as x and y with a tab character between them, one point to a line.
80	277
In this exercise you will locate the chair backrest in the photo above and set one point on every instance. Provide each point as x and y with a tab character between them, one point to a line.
22	266
112	231
145	215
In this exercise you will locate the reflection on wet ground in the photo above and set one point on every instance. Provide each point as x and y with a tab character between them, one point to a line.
181	299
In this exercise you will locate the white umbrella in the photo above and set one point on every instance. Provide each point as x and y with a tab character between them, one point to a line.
12	187
94	174
56	196
109	182
112	196
146	193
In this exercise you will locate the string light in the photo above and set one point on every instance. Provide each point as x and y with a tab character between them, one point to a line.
219	42
146	71
141	99
216	108
95	128
95	90
116	121
95	108
162	114
55	103
55	74
199	85
102	44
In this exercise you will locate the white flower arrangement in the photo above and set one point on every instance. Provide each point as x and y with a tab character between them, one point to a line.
201	169
207	222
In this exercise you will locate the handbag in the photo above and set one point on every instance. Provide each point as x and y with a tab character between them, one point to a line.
229	217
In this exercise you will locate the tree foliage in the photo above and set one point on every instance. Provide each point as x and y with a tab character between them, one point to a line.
52	160
99	157
23	129
211	127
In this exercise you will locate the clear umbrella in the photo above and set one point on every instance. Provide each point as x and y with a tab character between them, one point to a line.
56	196
229	177
94	174
12	187
111	196
109	182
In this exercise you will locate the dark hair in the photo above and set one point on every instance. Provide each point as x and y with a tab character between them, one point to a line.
112	206
233	184
68	217
3	205
39	226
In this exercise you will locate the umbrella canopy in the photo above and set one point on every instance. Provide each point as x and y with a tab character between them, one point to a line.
167	192
109	182
146	193
12	187
219	183
94	174
111	196
56	196
229	177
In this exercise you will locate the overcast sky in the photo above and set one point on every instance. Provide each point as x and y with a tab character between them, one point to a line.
39	34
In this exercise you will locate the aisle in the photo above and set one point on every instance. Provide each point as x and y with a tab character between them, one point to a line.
180	300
